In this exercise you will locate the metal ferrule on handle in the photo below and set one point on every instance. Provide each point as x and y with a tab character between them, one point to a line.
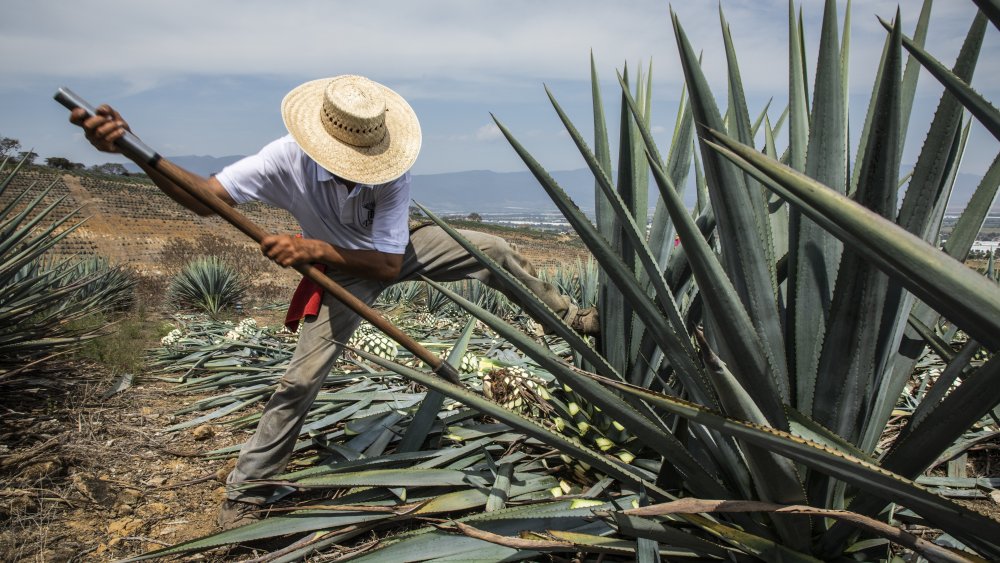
129	143
136	150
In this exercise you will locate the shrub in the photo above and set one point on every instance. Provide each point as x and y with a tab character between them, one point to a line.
208	284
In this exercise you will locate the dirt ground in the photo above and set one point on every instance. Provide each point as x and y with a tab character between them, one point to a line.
84	477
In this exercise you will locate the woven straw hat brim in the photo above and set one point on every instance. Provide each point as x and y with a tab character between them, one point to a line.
301	111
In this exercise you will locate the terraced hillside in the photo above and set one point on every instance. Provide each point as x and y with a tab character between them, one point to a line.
130	221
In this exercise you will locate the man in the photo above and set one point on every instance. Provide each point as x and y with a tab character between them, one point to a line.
342	171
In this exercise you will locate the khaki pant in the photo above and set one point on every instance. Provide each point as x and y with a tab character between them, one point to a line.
431	252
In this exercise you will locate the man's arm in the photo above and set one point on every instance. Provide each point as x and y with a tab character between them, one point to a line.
288	251
107	126
103	129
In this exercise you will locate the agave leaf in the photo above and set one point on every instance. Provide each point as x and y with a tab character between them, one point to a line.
814	254
937	157
501	488
704	201
958	449
383	461
477	497
845	63
870	115
943	283
738	109
739	230
405	477
636	199
306	521
900	304
679	157
980	107
615	315
661	531
798	96
599	544
807	429
912	71
760	118
433	544
941	427
605	216
908	92
212	416
689	505
778	216
37	245
6	181
956	366
847	364
992	10
427	414
963	234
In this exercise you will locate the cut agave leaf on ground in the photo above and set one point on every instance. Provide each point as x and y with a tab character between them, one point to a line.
651	433
603	464
267	528
693	506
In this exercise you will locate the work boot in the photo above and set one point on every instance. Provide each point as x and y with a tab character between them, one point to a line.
586	322
234	513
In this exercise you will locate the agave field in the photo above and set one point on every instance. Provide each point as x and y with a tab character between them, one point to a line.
40	297
798	380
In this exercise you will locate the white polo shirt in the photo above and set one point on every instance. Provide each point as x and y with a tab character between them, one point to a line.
283	175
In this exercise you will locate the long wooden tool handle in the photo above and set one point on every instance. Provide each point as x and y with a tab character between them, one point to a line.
137	151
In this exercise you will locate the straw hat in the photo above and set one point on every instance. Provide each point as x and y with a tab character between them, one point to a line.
354	127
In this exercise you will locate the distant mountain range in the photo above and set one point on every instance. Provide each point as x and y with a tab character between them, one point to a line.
483	191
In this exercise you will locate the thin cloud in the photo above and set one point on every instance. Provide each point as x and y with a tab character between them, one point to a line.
488	132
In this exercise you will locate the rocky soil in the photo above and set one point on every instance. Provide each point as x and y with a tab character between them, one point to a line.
86	477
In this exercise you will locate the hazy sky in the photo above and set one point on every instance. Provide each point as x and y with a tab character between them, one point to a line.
207	78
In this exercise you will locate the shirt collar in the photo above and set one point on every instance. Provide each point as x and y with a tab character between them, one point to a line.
324	175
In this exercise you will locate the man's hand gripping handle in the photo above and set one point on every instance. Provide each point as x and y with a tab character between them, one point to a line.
129	143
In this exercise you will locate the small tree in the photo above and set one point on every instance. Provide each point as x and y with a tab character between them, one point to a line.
474	217
63	163
112	168
27	156
8	146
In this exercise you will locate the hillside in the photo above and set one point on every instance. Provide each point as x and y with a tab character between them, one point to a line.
129	221
484	191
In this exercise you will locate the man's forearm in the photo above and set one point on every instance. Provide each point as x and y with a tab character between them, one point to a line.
370	264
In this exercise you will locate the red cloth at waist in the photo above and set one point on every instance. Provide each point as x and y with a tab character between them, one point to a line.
306	301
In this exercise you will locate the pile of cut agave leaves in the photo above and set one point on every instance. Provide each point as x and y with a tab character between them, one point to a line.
378	452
